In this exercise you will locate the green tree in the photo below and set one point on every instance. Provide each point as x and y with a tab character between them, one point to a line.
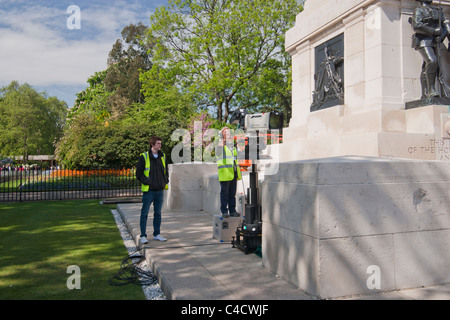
164	99
128	58
218	49
271	90
89	144
30	122
93	100
111	122
112	93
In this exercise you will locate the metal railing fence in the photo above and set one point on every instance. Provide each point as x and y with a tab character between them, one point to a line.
62	184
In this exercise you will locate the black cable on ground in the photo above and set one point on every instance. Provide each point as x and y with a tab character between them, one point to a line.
130	272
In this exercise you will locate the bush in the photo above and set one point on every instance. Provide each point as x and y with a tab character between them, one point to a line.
91	145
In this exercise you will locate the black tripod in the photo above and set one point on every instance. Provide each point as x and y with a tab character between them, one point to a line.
248	235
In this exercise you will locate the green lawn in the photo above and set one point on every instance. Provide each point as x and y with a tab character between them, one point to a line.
40	240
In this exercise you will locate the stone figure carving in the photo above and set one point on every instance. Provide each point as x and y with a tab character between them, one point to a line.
431	28
328	80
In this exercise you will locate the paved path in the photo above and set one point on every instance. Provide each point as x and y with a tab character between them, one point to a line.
192	265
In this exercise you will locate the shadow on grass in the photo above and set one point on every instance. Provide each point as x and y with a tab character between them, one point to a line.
40	240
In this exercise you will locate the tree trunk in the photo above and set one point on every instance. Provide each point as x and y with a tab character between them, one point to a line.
219	111
227	110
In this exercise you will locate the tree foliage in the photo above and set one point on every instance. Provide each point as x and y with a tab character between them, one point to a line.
110	125
197	57
93	100
30	122
113	93
128	58
219	50
89	144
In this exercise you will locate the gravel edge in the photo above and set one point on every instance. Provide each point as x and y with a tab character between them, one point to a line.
152	292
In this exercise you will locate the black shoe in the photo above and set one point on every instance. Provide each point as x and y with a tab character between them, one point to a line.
235	214
225	215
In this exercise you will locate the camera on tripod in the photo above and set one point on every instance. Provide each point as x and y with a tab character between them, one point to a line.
257	131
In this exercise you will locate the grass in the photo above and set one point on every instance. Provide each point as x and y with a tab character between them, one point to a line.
40	240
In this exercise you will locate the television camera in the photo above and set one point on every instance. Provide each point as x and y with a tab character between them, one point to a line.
257	131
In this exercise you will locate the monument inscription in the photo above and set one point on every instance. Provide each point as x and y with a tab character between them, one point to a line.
439	148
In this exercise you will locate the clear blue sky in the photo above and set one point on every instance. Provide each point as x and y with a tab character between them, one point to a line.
38	47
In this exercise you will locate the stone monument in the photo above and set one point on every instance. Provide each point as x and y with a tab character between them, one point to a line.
431	28
374	75
360	201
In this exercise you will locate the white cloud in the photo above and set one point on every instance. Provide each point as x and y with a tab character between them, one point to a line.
37	47
30	59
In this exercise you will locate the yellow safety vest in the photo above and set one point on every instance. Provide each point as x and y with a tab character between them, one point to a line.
226	163
146	187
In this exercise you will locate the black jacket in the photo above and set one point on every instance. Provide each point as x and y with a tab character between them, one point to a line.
157	180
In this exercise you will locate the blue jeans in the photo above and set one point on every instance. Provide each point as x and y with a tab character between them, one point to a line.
228	196
157	198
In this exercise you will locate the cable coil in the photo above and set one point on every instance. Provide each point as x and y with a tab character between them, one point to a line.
130	272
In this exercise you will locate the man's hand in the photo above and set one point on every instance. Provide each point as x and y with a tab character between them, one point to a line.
437	32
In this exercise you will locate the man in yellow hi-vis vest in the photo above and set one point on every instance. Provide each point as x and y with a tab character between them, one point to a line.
229	174
152	172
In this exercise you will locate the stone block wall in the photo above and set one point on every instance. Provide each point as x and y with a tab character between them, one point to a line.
327	222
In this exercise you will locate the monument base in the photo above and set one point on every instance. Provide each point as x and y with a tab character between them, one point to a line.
356	225
417	133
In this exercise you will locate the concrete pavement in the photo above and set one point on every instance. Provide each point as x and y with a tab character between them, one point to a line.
191	265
